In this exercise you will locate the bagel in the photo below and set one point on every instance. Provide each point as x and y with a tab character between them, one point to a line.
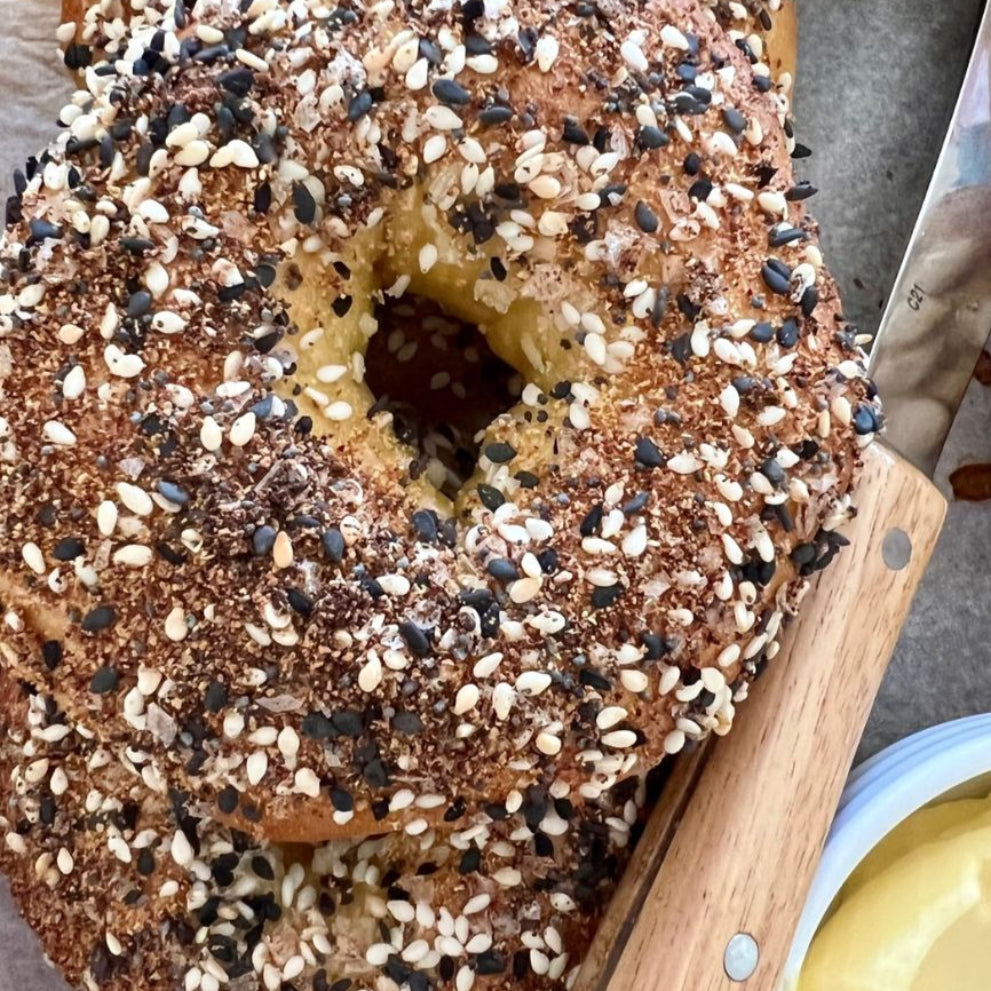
387	636
193	902
266	558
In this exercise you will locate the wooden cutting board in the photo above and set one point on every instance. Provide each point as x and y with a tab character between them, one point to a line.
733	845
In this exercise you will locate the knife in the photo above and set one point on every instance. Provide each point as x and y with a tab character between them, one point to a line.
938	315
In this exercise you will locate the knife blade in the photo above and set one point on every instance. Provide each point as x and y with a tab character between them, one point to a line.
938	315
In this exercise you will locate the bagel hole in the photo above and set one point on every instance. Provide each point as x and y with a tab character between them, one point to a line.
439	378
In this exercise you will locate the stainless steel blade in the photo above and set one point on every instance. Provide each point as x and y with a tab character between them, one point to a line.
939	313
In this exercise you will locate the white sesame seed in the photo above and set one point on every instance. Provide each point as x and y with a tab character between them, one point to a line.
135	499
168	322
546	52
635	542
242	429
175	625
442	118
182	852
305	782
547	187
378	954
370	676
769	416
684	463
211	436
154	212
256	766
609	716
427	257
547	743
58	433
33	558
533	683
525	589
338	411
466	699
729	655
620	739
633	56
133	556
417	75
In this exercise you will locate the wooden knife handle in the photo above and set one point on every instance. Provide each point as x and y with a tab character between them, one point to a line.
733	846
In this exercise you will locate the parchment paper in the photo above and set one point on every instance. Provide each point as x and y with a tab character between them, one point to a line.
877	83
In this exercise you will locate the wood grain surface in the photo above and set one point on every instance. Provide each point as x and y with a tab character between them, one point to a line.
735	841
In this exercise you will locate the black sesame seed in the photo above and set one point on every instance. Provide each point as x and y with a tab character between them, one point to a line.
333	544
173	492
803	554
425	523
865	420
502	569
263	540
490	962
762	333
407	722
647	454
692	163
491	116
500	452
593	679
238	81
360	105
800	191
491	498
348	722
215	697
51	654
700	189
317	726
646	219
735	120
342	305
104	680
99	619
649	138
40	230
773	472
527	479
451	93
636	503
262	867
68	549
471	861
785	235
574	133
227	800
139	303
774	280
77	57
429	51
341	800
603	597
416	639
300	601
591	521
801	151
809	301
304	205
788	333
